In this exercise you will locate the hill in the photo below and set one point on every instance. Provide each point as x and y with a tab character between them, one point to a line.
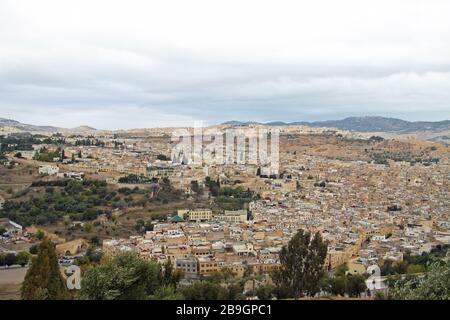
365	124
26	127
34	128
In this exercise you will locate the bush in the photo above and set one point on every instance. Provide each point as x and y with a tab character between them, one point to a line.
34	249
162	157
8	259
204	290
435	285
125	277
23	258
265	292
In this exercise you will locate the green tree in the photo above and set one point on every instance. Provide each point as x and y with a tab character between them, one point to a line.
266	292
23	257
302	264
234	291
335	285
40	234
170	275
341	270
434	285
93	254
8	259
195	186
139	225
355	284
401	267
166	293
43	279
162	157
204	290
415	268
125	277
34	249
342	284
88	227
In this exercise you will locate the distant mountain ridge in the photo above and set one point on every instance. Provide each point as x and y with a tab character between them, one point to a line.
34	128
363	124
359	124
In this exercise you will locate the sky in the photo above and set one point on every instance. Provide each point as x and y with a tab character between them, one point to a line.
134	64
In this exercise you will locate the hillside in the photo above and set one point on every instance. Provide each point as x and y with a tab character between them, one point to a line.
26	127
8	123
365	124
359	124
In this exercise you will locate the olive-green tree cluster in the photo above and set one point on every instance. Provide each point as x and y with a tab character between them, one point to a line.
128	277
343	284
211	290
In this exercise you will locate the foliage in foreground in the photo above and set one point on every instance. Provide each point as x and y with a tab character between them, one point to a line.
302	262
124	277
434	285
43	280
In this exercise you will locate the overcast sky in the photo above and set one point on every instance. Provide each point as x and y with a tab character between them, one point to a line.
124	64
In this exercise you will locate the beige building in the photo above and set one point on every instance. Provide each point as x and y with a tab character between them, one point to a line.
207	266
234	216
200	214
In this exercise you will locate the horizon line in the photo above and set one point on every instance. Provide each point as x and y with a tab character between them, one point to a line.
227	122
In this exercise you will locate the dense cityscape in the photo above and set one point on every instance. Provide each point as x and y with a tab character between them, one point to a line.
203	159
97	195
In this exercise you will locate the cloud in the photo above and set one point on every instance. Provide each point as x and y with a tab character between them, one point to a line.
117	64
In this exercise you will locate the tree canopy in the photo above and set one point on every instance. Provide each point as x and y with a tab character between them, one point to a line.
302	264
44	280
434	285
124	277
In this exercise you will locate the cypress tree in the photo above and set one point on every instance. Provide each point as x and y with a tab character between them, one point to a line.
302	264
44	280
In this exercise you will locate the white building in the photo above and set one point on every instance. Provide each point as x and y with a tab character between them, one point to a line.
48	170
379	238
72	175
244	249
268	171
10	226
27	154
